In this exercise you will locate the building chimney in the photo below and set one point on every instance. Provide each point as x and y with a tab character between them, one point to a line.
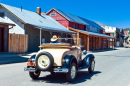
38	10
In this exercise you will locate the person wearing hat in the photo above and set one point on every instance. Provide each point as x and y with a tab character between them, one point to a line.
54	39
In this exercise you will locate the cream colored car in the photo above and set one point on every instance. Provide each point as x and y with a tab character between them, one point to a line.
60	57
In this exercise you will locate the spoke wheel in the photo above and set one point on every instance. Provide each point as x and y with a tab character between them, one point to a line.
73	70
92	66
71	75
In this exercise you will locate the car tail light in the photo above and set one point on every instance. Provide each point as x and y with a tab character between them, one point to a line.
30	63
29	60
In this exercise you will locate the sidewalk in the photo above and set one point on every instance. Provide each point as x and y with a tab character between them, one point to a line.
105	50
96	51
9	55
14	58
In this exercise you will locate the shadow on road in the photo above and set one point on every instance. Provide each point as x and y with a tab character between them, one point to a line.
96	51
14	59
60	78
127	46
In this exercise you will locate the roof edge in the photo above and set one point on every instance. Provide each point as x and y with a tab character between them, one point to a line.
51	27
12	13
63	15
7	23
58	12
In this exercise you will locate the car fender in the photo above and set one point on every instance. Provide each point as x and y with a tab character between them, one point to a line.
87	60
33	58
68	59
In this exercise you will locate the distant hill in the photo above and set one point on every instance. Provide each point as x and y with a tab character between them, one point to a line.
127	29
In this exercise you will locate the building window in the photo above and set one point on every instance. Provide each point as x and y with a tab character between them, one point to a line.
53	14
2	14
74	26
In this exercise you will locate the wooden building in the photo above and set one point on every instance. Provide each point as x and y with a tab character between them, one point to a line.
115	32
94	41
39	27
4	34
90	32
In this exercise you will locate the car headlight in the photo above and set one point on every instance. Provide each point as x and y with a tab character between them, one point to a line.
63	60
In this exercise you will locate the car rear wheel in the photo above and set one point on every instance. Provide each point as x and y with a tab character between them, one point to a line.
71	75
34	75
44	61
92	66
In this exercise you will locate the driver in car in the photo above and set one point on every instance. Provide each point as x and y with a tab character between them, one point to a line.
54	39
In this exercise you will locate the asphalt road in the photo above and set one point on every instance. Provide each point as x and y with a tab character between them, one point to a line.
112	69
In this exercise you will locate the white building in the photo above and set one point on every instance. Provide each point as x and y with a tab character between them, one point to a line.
34	24
110	30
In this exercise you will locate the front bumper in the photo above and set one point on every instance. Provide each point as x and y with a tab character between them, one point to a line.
30	69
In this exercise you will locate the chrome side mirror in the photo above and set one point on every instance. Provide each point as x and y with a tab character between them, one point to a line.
84	52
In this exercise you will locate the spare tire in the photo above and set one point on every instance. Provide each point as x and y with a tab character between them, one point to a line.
44	61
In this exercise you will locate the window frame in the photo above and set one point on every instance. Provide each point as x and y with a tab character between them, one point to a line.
53	14
2	15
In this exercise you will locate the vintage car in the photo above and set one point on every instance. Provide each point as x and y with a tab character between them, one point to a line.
61	57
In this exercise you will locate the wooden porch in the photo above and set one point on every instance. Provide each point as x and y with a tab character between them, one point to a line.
94	42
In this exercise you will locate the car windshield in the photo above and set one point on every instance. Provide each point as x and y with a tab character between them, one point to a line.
72	41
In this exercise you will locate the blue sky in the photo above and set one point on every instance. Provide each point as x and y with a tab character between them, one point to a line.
114	13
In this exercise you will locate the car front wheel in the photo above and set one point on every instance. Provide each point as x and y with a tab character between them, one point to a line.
71	75
92	66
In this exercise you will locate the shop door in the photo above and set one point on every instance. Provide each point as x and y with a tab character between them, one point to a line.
1	39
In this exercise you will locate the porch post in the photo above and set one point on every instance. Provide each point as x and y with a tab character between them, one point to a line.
71	37
66	37
77	38
85	40
40	37
106	43
61	37
98	43
112	42
88	43
50	34
102	43
109	42
93	42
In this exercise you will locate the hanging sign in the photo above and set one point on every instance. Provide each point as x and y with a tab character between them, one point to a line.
93	29
87	28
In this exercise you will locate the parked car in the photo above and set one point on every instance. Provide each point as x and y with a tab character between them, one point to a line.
61	57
